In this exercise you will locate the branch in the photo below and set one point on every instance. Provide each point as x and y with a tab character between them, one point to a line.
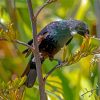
52	70
75	58
24	44
89	91
43	6
36	52
19	42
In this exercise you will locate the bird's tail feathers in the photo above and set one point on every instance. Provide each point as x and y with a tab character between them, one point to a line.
31	78
31	74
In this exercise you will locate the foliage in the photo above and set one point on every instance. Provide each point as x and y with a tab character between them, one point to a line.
69	82
12	90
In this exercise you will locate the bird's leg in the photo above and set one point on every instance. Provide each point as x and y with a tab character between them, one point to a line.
53	59
59	61
54	68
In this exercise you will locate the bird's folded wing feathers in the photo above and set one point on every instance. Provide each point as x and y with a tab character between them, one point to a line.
42	35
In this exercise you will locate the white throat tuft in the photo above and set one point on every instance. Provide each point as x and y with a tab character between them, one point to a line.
73	32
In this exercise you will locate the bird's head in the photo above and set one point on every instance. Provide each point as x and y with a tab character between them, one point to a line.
79	27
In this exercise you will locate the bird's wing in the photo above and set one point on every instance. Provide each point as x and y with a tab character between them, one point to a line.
42	35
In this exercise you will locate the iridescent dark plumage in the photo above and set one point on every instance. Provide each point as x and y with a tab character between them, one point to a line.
51	39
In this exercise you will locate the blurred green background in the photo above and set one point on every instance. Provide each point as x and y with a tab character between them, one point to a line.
68	83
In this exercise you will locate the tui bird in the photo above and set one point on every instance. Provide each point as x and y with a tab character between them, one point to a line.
50	40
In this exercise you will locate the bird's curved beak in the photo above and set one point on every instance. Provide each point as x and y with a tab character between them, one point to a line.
86	34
